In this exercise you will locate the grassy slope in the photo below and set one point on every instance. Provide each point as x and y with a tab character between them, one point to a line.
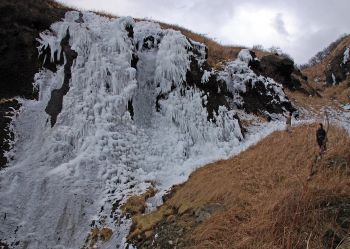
266	198
317	71
338	93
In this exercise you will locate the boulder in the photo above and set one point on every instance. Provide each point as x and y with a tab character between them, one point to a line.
280	68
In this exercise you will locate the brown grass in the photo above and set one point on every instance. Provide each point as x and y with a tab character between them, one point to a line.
97	235
317	71
268	201
218	54
332	97
136	204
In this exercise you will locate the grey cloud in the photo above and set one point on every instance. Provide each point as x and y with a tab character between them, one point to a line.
318	22
279	25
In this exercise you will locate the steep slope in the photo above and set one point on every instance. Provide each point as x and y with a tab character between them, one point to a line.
122	106
334	67
259	199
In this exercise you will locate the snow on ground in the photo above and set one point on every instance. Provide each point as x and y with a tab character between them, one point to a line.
346	55
65	178
237	74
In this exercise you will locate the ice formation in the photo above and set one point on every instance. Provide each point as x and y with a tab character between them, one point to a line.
65	178
346	55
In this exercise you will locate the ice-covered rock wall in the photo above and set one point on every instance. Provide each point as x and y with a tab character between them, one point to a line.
338	68
131	111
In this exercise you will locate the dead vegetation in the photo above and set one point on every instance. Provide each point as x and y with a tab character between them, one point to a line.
264	198
316	73
137	204
97	235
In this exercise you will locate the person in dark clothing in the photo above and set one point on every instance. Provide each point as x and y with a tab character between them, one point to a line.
321	138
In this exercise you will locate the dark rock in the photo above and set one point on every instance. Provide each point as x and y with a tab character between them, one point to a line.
21	21
337	71
6	111
149	42
130	30
131	109
80	19
45	57
3	245
258	100
134	61
54	105
279	68
216	91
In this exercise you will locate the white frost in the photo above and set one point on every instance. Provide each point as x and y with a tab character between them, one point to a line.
63	178
237	75
346	55
244	55
334	81
206	76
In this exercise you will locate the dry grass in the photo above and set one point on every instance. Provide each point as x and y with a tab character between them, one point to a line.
218	54
270	204
332	97
268	201
317	71
137	204
97	235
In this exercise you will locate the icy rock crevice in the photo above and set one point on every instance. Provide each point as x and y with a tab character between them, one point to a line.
76	174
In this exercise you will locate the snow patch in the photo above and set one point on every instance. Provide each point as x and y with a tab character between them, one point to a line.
237	75
346	55
206	76
245	56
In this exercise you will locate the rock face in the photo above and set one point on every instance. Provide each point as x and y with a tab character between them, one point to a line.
20	24
339	68
281	69
54	105
19	48
7	108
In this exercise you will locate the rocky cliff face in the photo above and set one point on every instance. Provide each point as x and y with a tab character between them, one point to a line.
20	24
130	103
283	70
339	67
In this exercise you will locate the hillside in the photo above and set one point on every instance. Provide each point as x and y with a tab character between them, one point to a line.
330	75
259	199
318	73
116	113
100	116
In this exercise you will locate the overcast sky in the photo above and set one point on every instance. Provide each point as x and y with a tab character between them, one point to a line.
299	27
